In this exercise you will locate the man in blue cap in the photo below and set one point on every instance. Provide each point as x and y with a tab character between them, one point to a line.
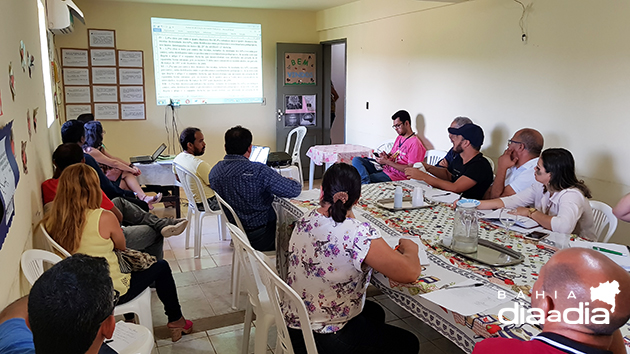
469	173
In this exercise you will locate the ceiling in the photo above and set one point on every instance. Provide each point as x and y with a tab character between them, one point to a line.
308	5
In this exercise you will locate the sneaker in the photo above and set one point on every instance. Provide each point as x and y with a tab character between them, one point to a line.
171	230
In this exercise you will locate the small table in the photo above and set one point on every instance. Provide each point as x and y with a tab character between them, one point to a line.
329	154
160	173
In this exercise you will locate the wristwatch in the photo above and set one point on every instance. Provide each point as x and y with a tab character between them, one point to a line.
532	211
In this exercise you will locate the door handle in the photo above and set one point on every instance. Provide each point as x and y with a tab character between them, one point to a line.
280	114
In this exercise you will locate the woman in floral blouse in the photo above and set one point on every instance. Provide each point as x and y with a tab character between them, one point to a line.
332	255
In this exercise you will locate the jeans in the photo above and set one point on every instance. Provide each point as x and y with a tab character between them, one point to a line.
160	273
368	172
366	333
144	233
263	238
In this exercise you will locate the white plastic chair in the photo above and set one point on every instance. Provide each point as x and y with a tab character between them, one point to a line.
140	305
434	156
186	178
257	294
300	133
603	216
235	283
278	291
385	146
491	162
33	263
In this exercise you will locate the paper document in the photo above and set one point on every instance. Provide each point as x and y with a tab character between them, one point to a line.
617	253
522	221
312	194
441	196
422	250
125	335
468	300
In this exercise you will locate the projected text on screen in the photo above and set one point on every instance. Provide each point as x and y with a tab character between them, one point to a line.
204	62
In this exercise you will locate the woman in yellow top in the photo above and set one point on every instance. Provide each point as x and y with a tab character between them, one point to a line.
79	225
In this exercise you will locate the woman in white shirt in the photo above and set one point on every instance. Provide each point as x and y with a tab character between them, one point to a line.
331	258
559	203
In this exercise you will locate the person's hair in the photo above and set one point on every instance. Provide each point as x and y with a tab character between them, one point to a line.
460	121
188	136
559	162
72	131
237	140
66	155
68	303
532	141
77	192
403	116
85	117
93	134
341	178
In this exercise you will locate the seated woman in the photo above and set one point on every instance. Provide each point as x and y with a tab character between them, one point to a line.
115	169
79	225
559	201
331	258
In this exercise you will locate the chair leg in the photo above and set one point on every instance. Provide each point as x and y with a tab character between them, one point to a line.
279	348
247	325
263	323
190	225
145	317
221	226
198	230
236	282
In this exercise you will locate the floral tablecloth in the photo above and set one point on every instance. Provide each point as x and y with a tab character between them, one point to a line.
445	268
330	154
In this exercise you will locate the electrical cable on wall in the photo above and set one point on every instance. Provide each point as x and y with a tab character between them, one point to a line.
521	21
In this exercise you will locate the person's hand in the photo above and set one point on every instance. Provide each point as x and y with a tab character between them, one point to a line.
407	246
414	173
521	211
136	171
506	160
382	159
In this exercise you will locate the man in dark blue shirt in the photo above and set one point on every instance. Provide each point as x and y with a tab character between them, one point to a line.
249	187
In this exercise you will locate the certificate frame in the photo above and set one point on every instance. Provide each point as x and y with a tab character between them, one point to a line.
130	62
73	64
101	38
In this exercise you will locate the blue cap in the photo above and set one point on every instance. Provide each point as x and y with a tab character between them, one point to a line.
471	132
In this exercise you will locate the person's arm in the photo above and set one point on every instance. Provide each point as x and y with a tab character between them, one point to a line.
109	228
387	161
569	212
17	309
622	209
439	172
462	184
111	190
402	265
498	188
117	213
279	185
103	159
490	204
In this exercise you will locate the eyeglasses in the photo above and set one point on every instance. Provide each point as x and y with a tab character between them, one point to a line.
510	142
396	126
115	300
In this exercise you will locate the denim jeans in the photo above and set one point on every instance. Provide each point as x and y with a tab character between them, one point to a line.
366	333
368	172
160	273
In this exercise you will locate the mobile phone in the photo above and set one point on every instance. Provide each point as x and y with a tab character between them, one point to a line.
375	153
536	235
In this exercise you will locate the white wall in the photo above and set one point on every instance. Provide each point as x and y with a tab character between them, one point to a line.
570	80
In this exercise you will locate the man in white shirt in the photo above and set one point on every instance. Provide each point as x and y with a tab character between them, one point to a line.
515	170
193	144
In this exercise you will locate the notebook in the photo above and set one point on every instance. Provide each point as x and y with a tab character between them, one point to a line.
259	154
148	159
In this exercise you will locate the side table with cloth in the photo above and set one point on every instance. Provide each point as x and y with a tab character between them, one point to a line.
160	173
329	154
445	268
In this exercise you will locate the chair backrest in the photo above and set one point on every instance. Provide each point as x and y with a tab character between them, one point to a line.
491	162
278	291
33	263
295	154
434	156
224	205
186	178
385	146
603	216
54	243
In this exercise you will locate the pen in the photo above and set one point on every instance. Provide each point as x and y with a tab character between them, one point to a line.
466	286
440	195
109	341
606	250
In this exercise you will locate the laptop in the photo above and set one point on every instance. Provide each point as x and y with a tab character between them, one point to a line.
149	159
259	154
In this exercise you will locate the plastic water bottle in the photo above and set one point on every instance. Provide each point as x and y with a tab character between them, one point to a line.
398	197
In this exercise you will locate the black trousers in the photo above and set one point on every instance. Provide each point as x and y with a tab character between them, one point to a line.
367	333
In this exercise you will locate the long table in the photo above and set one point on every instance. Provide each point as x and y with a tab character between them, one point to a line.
445	268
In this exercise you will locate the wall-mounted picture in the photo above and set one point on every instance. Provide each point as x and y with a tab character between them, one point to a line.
300	110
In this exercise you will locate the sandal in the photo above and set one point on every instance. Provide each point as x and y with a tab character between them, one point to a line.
153	199
177	332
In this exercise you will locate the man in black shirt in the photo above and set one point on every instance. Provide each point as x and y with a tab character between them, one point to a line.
469	173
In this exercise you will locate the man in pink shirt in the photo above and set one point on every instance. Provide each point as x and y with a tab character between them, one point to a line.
407	150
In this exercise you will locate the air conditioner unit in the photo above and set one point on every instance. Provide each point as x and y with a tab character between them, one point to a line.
61	15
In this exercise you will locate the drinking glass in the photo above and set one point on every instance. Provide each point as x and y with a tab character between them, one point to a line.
508	218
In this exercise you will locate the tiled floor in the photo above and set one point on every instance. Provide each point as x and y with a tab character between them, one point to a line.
204	293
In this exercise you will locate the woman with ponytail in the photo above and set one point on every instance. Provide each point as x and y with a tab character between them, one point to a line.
331	259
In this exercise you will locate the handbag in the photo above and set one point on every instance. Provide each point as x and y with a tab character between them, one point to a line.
134	261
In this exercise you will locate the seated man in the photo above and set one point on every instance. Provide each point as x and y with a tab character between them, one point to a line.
407	150
469	173
145	232
69	311
193	145
450	155
249	188
567	281
72	131
515	171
